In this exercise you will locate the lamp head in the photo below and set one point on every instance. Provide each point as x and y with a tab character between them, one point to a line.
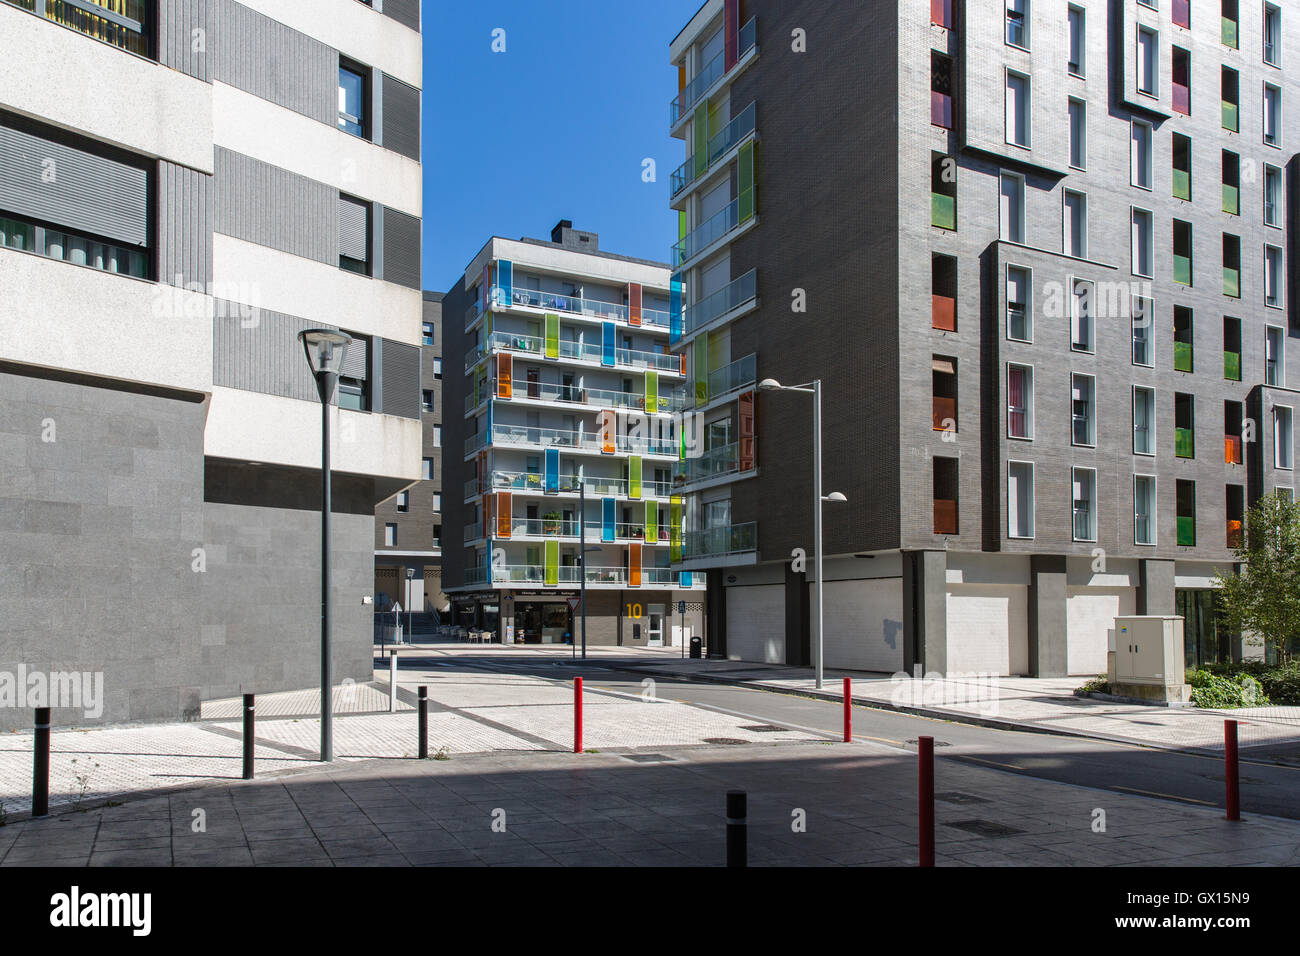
325	349
835	497
769	385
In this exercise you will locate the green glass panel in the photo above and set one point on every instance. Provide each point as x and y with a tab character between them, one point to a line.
1183	270
652	391
675	529
943	211
1232	283
1231	200
701	127
1232	366
1230	116
551	574
552	336
634	476
1230	33
652	521
701	370
1182	184
1182	356
1184	443
1186	531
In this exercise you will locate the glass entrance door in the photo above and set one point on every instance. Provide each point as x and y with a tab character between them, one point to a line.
655	637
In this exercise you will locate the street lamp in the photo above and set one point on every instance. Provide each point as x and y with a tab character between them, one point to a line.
325	350
813	388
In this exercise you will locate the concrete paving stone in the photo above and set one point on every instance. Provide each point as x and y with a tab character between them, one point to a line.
368	846
286	851
123	857
497	855
218	856
121	842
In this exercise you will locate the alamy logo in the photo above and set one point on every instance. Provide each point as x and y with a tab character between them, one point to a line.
78	690
75	909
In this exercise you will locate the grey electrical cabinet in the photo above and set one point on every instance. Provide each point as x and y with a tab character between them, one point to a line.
1146	658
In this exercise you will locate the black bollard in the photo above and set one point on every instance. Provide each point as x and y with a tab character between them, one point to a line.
249	736
424	723
41	764
737	829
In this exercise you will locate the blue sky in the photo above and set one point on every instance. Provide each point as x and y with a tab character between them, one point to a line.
556	127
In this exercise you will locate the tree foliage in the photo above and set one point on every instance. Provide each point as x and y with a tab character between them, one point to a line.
1265	597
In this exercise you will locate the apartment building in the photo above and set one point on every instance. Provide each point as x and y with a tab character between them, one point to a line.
1041	256
242	171
408	526
568	397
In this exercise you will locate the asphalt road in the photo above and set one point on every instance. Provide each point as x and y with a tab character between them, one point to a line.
1194	779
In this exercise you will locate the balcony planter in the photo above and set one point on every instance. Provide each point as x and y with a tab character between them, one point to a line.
552	522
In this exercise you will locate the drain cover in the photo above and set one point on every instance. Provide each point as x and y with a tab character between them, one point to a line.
955	797
724	740
985	828
648	758
763	728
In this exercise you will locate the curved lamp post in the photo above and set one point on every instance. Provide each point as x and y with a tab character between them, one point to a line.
325	350
813	388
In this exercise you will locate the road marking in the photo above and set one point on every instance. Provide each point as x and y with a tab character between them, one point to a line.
1165	796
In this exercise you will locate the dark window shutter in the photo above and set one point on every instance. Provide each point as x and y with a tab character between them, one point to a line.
401	118
355	359
401	248
354	229
400	379
405	12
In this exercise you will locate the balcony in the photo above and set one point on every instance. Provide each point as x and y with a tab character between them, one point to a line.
725	140
592	441
1231	200
1229	120
715	463
1232	366
720	542
535	575
945	516
1184	443
533	483
710	73
1232	449
732	296
1186	531
733	377
666	402
473	531
1183	356
943	313
119	23
577	351
1231	282
716	229
943	211
595	309
475	577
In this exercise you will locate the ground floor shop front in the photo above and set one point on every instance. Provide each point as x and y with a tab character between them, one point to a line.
613	618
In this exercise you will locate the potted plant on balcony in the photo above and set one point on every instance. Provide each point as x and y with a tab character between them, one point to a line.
551	522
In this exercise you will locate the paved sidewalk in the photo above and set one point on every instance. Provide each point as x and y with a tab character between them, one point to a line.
554	809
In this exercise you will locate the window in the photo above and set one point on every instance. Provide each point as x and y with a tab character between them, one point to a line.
1273	276
1184	344
1272	196
437	368
1143	243
1083	410
1082	315
940	90
944	385
1236	515
1272	35
436	507
1231	99
943	191
1144	509
354	235
426	400
437	436
426	469
1020	320
1017	109
1012	208
1143	311
1231	183
1182	252
1272	115
390	536
945	496
1020	402
1144	420
80	250
1078	134
1231	266
127	24
1182	14
1184	425
1140	165
1228	28
1075	224
943	292
437	536
1084	481
1078	49
426	333
1148	61
1182	162
1180	77
403	501
941	13
1233	421
1274	361
353	83
1283	438
353	387
1020	499
1231	349
1018	23
1185	498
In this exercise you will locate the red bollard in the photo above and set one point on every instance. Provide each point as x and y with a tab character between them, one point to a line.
1230	777
925	806
577	715
848	711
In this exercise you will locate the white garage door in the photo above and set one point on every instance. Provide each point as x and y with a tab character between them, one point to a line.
756	623
864	624
1090	613
988	629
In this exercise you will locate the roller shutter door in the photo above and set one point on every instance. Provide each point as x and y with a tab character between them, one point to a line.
864	624
756	624
988	629
1090	613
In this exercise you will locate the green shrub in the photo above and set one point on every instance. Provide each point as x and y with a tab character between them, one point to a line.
1281	684
1098	685
1220	691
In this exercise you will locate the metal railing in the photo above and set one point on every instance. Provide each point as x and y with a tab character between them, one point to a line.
724	460
531	482
733	377
718	145
731	296
720	542
715	228
579	351
564	438
710	73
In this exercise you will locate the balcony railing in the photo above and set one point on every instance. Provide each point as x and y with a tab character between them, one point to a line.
724	460
475	576
709	74
121	23
943	414
720	542
1182	269
709	232
673	400
576	305
533	483
733	377
1235	535
940	109
1182	13
718	146
473	531
507	435
1182	99
732	296
584	352
535	574
1229	33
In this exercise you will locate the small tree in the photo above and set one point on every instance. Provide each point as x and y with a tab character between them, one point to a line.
1265	596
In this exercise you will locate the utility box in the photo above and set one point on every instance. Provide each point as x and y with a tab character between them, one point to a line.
1145	659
